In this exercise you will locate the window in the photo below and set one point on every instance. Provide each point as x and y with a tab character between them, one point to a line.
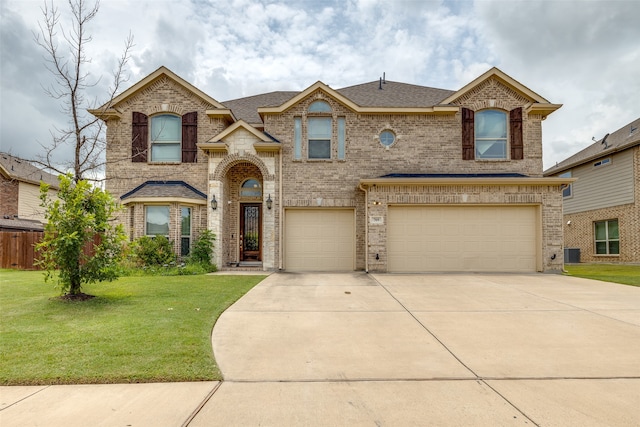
157	221
607	237
166	135
251	188
387	138
491	134
566	191
185	233
319	133
602	162
319	107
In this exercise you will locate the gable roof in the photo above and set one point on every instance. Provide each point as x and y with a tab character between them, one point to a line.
539	105
622	139
22	170
109	109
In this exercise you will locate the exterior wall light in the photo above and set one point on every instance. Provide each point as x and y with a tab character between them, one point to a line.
269	202
214	202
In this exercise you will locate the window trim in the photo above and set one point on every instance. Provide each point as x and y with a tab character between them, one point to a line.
569	186
477	154
177	142
607	240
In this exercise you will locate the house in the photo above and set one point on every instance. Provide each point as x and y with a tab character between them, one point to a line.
602	207
382	176
20	194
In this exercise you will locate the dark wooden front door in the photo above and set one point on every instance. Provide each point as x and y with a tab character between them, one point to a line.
250	232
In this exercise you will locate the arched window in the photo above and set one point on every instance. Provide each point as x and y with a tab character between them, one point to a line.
491	134
166	136
319	107
251	188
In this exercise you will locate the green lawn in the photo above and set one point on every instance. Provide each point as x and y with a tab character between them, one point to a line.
137	329
625	274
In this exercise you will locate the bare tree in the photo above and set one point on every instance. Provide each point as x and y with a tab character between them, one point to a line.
67	61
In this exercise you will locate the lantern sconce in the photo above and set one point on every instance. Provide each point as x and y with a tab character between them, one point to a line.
214	202
269	202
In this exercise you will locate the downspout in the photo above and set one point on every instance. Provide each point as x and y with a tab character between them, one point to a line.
281	209
366	228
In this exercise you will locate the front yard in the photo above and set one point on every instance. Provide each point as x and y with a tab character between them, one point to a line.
137	329
617	273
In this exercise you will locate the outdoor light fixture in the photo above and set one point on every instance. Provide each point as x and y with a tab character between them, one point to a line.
214	202
269	202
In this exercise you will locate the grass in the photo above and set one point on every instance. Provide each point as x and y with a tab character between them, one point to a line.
137	329
617	273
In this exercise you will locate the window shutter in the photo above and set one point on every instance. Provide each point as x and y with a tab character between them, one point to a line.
515	131
468	135
189	137
139	137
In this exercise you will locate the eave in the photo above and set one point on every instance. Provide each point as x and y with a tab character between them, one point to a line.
266	146
465	181
110	113
218	147
543	109
163	200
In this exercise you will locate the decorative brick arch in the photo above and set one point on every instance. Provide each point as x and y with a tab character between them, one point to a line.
233	159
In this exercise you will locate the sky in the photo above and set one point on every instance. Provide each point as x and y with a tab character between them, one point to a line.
584	54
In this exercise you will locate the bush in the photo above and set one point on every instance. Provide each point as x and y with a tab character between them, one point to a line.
153	251
202	248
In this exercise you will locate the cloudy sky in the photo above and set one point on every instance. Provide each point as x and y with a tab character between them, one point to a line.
583	54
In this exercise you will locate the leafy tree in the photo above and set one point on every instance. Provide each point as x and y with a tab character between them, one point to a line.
80	244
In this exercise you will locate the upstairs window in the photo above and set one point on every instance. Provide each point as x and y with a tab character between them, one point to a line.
566	191
166	136
491	134
319	133
169	138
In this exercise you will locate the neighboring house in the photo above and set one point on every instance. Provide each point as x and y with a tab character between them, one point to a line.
20	194
381	176
602	207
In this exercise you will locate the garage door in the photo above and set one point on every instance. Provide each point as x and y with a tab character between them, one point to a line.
451	238
319	239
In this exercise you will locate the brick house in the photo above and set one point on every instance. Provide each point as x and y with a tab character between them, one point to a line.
381	176
20	194
602	207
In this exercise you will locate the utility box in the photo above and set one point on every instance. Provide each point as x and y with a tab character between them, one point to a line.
572	255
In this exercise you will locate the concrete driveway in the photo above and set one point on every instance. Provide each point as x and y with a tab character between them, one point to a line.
389	350
358	349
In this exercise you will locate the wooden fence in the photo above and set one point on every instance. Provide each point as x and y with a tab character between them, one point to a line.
17	249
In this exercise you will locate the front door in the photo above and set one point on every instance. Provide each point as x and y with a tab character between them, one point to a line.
250	232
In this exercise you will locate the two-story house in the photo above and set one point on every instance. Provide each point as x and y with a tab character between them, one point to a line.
382	176
602	207
20	193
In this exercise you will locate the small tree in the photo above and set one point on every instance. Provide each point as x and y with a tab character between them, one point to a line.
74	219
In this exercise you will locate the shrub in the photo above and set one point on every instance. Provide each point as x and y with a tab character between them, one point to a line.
153	251
202	248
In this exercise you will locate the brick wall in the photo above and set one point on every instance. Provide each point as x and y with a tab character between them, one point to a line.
8	196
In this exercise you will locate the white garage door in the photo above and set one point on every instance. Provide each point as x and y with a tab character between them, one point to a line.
465	238
319	239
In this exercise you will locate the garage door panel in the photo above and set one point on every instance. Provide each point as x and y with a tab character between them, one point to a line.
319	239
469	238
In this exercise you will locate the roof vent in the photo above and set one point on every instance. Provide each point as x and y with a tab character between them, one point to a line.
604	141
380	84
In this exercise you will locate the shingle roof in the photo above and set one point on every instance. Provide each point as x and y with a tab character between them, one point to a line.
165	189
20	224
247	108
394	94
622	139
21	170
454	175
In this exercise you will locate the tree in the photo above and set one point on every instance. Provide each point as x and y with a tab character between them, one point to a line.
68	64
78	214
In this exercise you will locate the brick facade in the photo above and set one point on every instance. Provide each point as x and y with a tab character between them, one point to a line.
579	227
427	142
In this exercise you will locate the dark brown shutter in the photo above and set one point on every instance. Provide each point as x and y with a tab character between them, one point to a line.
139	137
468	135
189	137
515	131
